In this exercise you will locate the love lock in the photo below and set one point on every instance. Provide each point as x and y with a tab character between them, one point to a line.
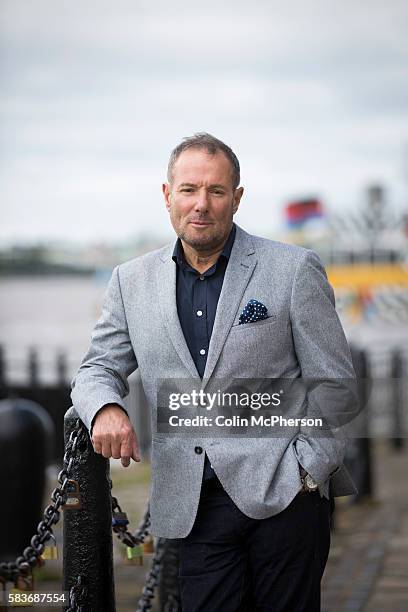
73	496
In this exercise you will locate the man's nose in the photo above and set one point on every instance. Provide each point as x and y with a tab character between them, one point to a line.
201	200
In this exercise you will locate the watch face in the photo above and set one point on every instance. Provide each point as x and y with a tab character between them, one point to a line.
310	483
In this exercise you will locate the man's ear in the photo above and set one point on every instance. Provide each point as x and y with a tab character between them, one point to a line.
167	195
237	199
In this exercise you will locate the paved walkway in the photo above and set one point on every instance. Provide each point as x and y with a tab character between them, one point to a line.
368	564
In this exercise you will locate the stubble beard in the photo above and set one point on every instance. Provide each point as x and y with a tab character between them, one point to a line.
208	242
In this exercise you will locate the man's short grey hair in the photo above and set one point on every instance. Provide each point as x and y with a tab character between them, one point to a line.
212	145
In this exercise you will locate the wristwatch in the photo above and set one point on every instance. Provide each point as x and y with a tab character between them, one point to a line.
308	484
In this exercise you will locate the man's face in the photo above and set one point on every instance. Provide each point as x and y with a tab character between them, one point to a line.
201	200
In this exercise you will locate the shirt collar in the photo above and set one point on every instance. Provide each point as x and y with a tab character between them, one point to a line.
178	253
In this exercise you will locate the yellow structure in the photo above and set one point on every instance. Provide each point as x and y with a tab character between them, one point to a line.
365	275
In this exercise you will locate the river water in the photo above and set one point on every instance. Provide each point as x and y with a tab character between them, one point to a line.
52	314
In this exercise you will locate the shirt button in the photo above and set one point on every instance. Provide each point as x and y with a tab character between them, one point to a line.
202	352
201	277
198	450
199	313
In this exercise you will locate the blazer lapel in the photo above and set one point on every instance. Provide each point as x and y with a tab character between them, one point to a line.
166	289
240	268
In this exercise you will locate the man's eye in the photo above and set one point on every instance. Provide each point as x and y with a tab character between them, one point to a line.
186	190
218	192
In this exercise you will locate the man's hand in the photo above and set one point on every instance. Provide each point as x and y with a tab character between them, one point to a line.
114	436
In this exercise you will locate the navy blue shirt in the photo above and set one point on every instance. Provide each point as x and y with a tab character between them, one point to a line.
197	298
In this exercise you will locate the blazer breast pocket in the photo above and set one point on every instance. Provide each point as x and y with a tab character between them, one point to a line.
254	325
248	346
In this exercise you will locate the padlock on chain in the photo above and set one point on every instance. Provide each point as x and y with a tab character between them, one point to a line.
148	545
119	519
134	554
73	496
22	585
50	551
25	583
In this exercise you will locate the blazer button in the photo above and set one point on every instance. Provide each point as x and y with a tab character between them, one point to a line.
198	450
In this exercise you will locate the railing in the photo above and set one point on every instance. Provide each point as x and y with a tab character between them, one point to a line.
90	511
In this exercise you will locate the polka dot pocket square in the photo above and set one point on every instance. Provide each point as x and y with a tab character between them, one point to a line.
253	311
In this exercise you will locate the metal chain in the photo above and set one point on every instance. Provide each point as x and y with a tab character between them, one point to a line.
122	531
77	595
152	579
22	566
172	604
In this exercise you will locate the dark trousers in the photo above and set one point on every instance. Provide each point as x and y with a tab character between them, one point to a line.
232	563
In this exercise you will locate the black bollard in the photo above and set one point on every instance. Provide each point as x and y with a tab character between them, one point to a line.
62	369
397	399
359	455
33	368
88	530
2	370
26	433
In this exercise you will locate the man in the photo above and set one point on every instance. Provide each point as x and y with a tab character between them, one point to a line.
252	515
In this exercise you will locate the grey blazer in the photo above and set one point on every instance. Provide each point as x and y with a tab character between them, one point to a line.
302	336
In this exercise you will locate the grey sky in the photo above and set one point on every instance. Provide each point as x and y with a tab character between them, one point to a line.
312	96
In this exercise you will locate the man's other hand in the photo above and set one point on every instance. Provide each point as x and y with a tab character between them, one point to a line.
113	435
